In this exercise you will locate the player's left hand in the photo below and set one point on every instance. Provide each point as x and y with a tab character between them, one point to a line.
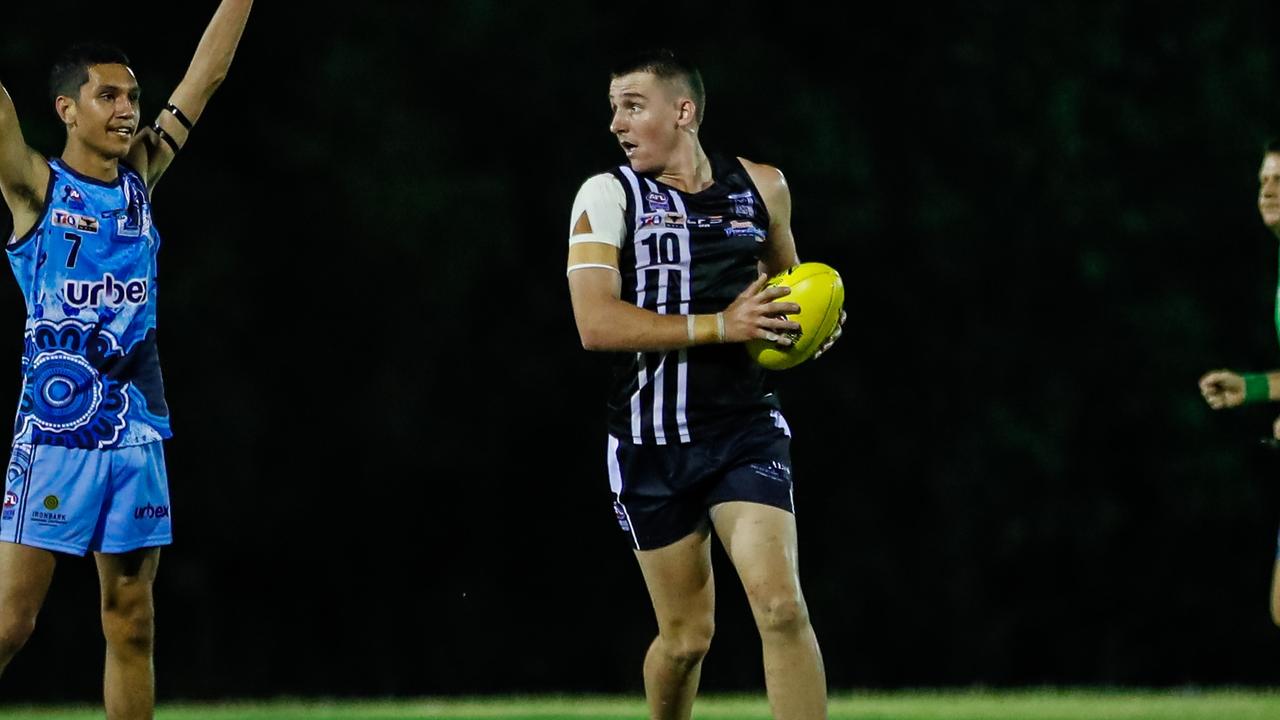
835	335
1275	429
1222	389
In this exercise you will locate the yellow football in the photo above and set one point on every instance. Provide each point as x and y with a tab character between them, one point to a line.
819	291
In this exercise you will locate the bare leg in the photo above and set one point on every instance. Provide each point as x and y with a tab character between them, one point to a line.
128	623
1275	594
683	595
761	542
25	574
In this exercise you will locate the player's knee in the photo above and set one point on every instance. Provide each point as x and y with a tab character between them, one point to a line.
15	630
690	644
782	614
129	626
1275	614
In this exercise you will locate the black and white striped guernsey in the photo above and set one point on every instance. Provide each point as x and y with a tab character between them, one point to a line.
688	253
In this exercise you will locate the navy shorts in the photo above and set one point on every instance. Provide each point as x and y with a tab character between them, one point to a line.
663	493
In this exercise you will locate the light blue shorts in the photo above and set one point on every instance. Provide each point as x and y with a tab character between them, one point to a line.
73	500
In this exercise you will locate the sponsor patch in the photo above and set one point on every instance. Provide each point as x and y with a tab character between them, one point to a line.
81	223
149	511
672	220
743	228
107	291
48	519
621	513
772	470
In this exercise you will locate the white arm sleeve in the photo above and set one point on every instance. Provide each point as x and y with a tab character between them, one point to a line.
604	202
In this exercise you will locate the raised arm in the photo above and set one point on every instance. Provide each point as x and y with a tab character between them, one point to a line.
155	147
24	174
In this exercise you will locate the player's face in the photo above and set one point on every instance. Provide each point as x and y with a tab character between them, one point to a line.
646	120
1269	191
106	113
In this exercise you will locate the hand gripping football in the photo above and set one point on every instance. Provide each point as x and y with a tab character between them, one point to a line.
819	291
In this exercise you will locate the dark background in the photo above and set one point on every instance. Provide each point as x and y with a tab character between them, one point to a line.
388	465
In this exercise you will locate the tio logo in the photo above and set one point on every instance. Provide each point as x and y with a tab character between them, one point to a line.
151	511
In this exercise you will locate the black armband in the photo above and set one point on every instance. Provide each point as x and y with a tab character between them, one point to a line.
173	110
166	137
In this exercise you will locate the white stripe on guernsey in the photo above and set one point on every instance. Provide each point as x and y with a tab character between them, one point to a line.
686	256
615	470
615	483
635	189
780	422
659	375
686	294
641	380
682	393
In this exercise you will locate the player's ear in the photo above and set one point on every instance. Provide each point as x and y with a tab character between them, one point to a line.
686	112
66	109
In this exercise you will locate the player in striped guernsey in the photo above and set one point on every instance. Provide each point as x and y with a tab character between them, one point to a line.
1227	389
668	258
87	471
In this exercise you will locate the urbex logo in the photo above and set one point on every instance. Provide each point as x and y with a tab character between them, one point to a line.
151	511
107	291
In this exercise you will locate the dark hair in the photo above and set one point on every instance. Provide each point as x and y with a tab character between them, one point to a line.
666	65
71	70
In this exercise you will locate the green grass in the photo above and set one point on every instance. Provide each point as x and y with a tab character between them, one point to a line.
906	705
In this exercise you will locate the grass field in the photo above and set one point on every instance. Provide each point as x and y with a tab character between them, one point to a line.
918	705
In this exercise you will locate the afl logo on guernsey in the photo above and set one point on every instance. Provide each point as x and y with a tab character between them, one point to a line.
107	291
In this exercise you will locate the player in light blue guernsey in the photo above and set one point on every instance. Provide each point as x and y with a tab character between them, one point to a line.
87	472
91	374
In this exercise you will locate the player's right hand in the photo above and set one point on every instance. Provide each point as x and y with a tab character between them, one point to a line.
756	314
1222	389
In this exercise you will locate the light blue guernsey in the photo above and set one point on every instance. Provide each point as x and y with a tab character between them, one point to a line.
87	270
